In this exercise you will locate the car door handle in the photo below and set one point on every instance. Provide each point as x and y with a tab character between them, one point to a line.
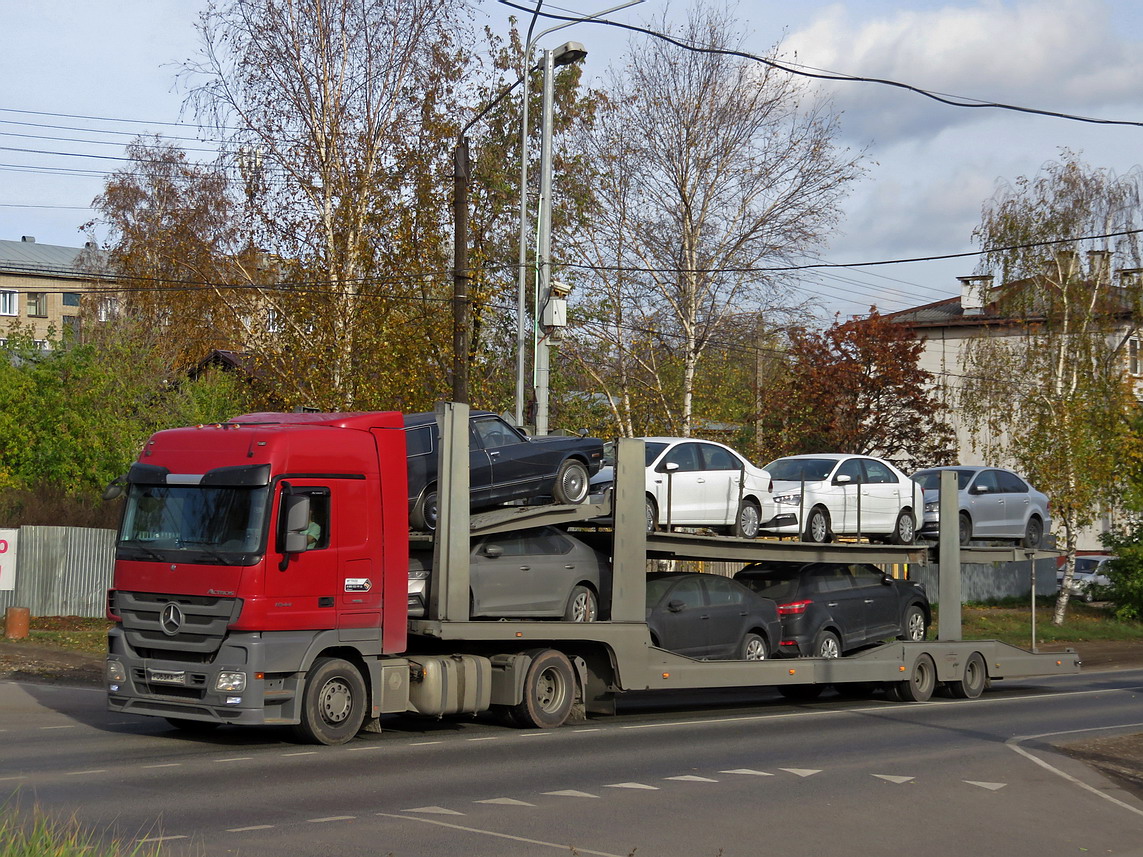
831	603
700	479
569	566
493	454
525	568
868	600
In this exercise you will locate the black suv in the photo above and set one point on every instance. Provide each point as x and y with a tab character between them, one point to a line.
829	609
504	465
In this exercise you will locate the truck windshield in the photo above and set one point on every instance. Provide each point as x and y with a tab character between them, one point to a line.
191	523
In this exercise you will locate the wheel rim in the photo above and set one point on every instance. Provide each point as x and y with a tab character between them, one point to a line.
817	527
748	520
905	528
574	484
550	690
924	677
335	701
916	629
829	648
755	650
650	517
583	607
431	511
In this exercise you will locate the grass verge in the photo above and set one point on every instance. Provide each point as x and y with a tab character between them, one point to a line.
40	835
1010	621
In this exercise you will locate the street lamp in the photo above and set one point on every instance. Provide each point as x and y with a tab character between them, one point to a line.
568	53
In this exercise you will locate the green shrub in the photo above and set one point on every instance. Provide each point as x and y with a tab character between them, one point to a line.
1125	572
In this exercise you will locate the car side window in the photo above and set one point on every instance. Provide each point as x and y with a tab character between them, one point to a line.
721	592
832	578
876	471
686	455
689	591
717	458
986	480
493	432
850	468
866	575
418	441
1010	483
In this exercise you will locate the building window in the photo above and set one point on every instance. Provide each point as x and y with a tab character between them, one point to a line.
9	303
1134	361
37	304
70	328
71	298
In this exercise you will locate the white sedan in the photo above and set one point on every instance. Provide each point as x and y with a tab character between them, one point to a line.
820	496
700	483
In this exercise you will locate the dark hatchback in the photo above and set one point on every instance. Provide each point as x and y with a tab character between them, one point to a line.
504	465
707	616
829	609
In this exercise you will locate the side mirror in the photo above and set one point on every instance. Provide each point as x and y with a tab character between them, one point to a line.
676	606
115	487
843	479
979	489
493	551
671	466
295	517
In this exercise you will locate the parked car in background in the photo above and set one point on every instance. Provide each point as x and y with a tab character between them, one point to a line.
1089	575
541	572
994	503
820	496
505	465
707	616
829	609
700	483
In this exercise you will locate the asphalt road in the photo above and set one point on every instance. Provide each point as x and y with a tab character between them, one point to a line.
753	774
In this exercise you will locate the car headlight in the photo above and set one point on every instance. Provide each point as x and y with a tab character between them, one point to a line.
792	499
228	682
935	506
419	575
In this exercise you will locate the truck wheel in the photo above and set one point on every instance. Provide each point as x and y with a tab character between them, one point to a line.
424	514
918	687
971	684
826	645
583	606
817	526
333	703
748	520
753	648
549	691
905	531
913	626
571	484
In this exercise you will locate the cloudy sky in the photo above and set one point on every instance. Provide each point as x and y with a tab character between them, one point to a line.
930	166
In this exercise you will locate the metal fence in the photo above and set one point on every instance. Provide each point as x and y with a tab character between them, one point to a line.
62	571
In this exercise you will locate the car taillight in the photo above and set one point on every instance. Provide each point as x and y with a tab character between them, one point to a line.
794	608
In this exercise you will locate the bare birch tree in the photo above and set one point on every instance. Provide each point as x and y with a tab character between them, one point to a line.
1048	389
710	167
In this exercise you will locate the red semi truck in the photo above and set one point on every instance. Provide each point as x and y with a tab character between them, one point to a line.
261	577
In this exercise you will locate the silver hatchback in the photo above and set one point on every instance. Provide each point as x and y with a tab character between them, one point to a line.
994	503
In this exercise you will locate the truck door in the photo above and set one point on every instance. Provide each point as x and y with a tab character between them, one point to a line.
301	588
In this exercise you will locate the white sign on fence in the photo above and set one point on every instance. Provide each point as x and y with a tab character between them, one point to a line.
8	540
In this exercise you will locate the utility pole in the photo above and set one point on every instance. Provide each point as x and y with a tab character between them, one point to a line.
460	275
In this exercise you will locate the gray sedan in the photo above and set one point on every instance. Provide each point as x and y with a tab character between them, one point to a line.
993	504
537	573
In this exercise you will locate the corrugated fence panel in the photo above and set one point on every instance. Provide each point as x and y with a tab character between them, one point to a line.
62	571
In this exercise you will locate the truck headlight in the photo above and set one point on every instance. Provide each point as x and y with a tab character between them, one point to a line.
228	682
116	673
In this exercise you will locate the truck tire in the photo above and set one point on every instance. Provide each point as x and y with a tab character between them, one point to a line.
972	683
549	691
922	680
333	702
572	483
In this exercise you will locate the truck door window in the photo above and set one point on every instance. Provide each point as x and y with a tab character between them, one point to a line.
316	528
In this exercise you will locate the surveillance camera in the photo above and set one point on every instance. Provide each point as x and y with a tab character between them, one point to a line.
560	290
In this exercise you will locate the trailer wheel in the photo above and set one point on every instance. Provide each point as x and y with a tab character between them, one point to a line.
971	684
918	687
333	703
549	691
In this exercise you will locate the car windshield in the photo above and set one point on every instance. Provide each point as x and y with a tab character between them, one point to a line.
192	523
780	584
800	469
1086	564
930	480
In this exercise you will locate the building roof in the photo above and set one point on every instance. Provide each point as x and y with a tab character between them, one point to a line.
30	258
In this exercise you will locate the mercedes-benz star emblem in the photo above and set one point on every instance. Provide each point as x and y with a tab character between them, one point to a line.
172	620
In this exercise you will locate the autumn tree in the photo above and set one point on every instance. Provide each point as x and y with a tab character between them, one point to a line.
856	387
1048	391
709	168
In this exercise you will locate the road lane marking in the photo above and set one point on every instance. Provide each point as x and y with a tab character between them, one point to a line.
748	771
800	772
691	778
485	738
561	846
992	787
165	765
234	759
151	839
505	801
632	786
892	779
65	726
330	818
570	793
85	773
300	753
435	810
251	827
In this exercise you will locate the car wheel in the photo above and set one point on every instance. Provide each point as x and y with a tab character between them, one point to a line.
913	627
817	526
652	516
424	515
748	520
965	529
583	606
827	645
753	648
572	482
1034	534
905	530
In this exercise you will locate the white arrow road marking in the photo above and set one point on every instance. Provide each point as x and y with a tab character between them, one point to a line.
632	786
748	772
435	810
800	772
691	779
570	793
505	801
893	779
990	786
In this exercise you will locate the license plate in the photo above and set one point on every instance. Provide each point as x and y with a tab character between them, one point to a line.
167	677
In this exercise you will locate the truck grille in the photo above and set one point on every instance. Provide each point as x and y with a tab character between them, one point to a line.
157	625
